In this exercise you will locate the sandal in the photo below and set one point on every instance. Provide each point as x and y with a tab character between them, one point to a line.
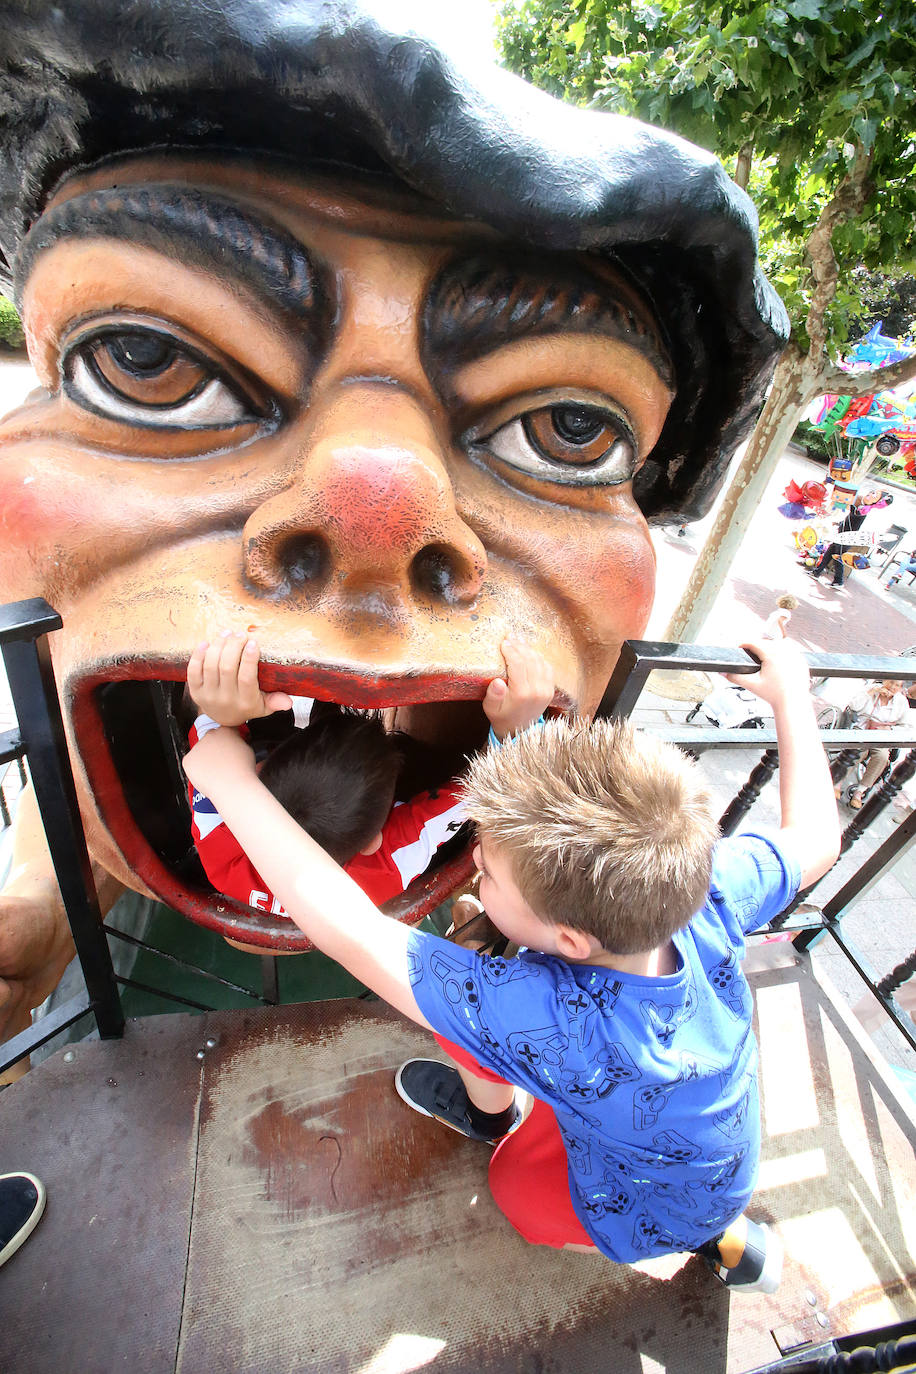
856	799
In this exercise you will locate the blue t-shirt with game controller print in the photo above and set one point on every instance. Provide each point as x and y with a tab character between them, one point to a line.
653	1080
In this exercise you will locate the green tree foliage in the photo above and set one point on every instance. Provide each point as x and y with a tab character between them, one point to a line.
812	105
810	92
11	334
884	300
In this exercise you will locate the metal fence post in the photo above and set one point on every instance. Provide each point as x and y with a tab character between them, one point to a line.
24	626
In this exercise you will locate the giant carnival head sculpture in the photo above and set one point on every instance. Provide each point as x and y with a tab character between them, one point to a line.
356	344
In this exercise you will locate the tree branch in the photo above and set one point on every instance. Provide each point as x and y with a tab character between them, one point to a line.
840	383
743	165
849	198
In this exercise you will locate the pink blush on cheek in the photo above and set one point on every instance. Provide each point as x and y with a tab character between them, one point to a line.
54	530
621	583
38	506
27	510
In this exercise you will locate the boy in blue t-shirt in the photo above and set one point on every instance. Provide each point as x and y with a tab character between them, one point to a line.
625	1013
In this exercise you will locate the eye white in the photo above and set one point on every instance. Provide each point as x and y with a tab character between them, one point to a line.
214	405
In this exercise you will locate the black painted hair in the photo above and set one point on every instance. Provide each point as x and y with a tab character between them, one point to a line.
337	778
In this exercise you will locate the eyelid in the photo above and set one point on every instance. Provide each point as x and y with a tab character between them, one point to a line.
494	417
243	399
91	328
198	411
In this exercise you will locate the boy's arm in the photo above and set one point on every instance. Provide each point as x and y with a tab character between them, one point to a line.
315	892
809	815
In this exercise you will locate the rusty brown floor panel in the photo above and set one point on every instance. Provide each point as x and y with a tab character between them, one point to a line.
335	1230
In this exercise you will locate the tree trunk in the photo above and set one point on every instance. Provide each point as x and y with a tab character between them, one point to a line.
795	382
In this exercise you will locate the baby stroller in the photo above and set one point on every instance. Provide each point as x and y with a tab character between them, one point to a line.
731	708
735	708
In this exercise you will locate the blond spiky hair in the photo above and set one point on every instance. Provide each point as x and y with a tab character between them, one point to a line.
606	829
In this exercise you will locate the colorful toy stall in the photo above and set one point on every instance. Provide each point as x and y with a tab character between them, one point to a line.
863	429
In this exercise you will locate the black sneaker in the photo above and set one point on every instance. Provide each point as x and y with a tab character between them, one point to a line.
760	1267
22	1201
436	1090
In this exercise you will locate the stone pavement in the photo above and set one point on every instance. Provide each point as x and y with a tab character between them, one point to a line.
862	617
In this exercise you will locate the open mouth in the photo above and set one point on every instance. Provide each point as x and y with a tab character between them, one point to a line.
132	721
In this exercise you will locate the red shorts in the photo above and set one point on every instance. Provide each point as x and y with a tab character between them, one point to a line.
528	1172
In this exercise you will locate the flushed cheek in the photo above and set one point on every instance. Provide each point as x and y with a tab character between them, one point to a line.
57	530
590	565
620	585
620	574
68	518
599	570
46	522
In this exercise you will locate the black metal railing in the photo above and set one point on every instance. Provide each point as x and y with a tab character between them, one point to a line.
6	793
804	918
39	738
24	628
887	1348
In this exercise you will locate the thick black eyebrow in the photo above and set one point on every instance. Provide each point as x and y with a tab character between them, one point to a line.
479	303
203	230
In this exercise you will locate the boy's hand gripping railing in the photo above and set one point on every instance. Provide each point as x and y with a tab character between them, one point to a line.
640	658
24	626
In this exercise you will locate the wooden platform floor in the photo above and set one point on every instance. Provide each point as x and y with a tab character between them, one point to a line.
275	1208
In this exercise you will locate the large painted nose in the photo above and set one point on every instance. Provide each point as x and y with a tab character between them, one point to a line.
369	510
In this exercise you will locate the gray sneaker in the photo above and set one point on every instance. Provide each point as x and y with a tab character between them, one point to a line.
436	1090
759	1269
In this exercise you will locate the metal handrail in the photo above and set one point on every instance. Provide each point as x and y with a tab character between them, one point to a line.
24	630
640	658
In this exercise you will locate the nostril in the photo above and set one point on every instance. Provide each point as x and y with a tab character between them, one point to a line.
304	559
439	571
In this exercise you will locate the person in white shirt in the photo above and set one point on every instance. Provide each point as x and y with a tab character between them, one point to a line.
880	706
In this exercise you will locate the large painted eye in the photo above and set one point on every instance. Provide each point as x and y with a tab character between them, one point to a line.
145	376
572	443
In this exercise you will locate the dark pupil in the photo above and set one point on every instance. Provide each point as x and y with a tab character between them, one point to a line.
575	424
143	354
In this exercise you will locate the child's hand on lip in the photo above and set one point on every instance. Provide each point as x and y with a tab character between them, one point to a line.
223	681
517	700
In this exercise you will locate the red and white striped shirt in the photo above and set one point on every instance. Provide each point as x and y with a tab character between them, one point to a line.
411	835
